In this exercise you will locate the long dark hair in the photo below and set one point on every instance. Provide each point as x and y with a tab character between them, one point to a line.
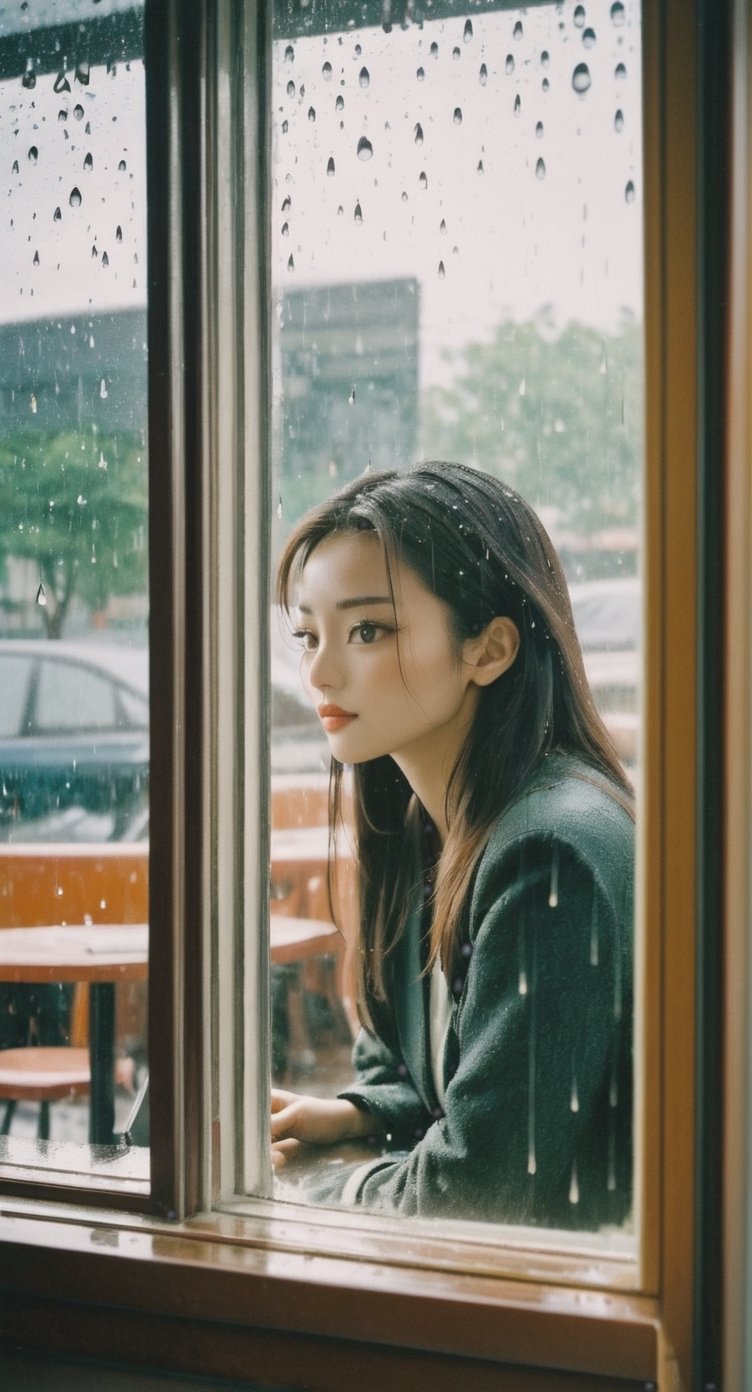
478	546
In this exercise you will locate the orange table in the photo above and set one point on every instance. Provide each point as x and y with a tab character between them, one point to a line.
100	955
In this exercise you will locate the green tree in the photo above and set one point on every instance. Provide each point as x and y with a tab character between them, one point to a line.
77	506
558	415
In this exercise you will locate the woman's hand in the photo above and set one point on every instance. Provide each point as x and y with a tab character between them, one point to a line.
318	1120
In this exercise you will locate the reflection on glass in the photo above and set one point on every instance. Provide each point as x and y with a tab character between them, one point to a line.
74	729
456	227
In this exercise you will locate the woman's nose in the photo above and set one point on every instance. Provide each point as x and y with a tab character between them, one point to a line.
323	668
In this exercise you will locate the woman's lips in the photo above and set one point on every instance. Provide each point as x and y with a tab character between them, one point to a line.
334	718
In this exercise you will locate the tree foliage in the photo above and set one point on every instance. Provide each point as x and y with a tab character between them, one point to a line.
558	415
77	506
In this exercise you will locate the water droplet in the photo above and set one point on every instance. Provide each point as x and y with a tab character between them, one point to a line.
57	215
290	264
457	116
574	1188
81	500
326	72
101	462
287	204
420	74
62	116
581	78
629	192
358	215
522	389
517	32
364	77
311	113
419	134
289	53
483	75
588	38
443	227
423	179
619	122
83	73
480	167
33	154
522	984
78	112
434	49
545	58
540	169
285	229
89	163
41	596
620	72
103	389
539	130
617	13
509	65
351	397
33	404
517	104
105	259
118	234
14	170
279	508
579	16
468	31
330	166
545	84
574	1100
61	83
29	79
404	196
455	54
365	148
36	258
339	105
442	271
95	252
75	198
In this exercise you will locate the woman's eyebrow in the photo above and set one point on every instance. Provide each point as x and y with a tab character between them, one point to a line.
353	603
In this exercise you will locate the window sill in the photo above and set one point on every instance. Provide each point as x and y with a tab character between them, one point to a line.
84	1263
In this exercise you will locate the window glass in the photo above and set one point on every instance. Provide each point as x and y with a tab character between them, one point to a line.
73	572
455	215
14	683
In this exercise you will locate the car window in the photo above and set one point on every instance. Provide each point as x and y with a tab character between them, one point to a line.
73	697
14	685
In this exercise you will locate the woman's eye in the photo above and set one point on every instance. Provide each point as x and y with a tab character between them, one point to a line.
306	639
366	632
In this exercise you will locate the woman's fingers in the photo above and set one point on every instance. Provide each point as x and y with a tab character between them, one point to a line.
284	1151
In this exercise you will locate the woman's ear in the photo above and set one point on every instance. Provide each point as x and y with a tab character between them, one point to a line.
493	651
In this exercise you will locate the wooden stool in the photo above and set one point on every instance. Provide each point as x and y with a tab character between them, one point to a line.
44	1075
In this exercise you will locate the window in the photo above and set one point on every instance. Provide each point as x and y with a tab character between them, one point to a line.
390	1309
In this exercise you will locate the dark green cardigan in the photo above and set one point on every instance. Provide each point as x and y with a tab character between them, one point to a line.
537	1123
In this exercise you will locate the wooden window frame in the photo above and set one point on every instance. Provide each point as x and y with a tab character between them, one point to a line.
109	1281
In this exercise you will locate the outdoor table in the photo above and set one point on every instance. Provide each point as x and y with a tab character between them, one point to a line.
99	955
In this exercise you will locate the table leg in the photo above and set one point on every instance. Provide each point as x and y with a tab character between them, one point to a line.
102	1062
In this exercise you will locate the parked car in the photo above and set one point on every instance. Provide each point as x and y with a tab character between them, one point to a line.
607	615
74	740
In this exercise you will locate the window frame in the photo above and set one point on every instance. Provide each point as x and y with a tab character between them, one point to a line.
233	1266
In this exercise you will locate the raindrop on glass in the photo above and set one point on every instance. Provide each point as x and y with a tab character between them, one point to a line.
442	271
517	104
545	84
289	53
579	16
619	122
285	229
509	65
81	500
522	984
434	49
540	169
418	134
420	74
14	170
339	105
581	78
358	215
89	162
468	33
311	113
620	72
285	127
78	112
290	264
539	130
629	192
617	13
351	397
588	38
33	404
480	167
545	58
365	148
330	166
455	54
574	1188
279	508
483	75
82	74
101	462
574	1098
33	154
103	390
522	389
75	198
118	234
105	259
423	179
286	205
29	79
57	215
517	32
41	596
122	166
62	116
61	83
457	116
442	227
364	77
326	72
36	258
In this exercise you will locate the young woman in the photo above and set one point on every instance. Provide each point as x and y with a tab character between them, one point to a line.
494	839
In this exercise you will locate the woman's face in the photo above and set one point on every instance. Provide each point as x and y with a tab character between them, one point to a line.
385	674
